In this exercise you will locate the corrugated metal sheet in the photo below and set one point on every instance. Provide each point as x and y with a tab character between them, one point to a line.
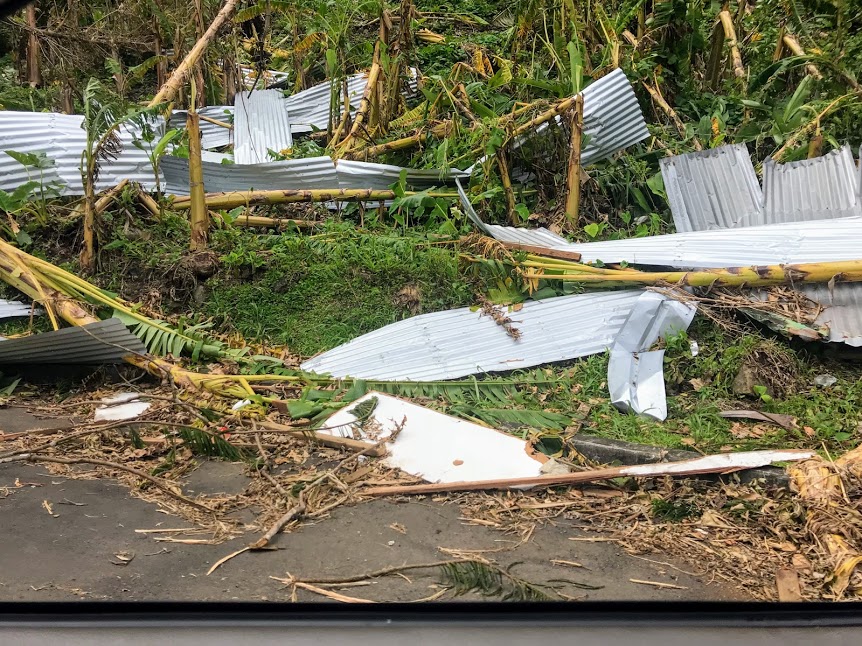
309	109
613	119
456	343
842	311
270	77
10	309
212	135
713	189
798	242
310	173
107	341
307	173
260	124
62	139
822	188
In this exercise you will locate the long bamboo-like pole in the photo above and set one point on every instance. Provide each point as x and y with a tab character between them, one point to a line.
246	198
670	112
34	72
756	276
573	179
181	73
197	196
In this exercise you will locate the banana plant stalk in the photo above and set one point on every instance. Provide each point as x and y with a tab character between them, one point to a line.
755	276
59	292
233	199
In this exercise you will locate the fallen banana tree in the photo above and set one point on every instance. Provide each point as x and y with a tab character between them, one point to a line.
233	199
60	293
536	267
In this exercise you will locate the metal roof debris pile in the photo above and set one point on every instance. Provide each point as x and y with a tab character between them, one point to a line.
107	341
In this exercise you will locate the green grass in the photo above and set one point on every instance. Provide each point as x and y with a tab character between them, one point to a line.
314	293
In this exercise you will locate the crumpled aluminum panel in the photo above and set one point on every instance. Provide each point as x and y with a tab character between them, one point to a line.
107	341
456	343
713	189
822	188
636	374
62	139
260	124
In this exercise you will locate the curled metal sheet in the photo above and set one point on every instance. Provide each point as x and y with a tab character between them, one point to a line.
456	343
713	189
261	124
107	341
636	374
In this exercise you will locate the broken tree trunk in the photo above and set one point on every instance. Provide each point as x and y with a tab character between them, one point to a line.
181	73
794	46
34	72
670	112
730	36
720	463
506	179
573	179
364	105
197	202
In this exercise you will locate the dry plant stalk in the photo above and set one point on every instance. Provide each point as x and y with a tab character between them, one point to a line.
670	112
247	198
371	88
730	36
492	311
794	46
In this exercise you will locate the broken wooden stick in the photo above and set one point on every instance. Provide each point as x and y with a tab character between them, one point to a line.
559	254
198	216
179	76
730	36
333	441
670	112
719	463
